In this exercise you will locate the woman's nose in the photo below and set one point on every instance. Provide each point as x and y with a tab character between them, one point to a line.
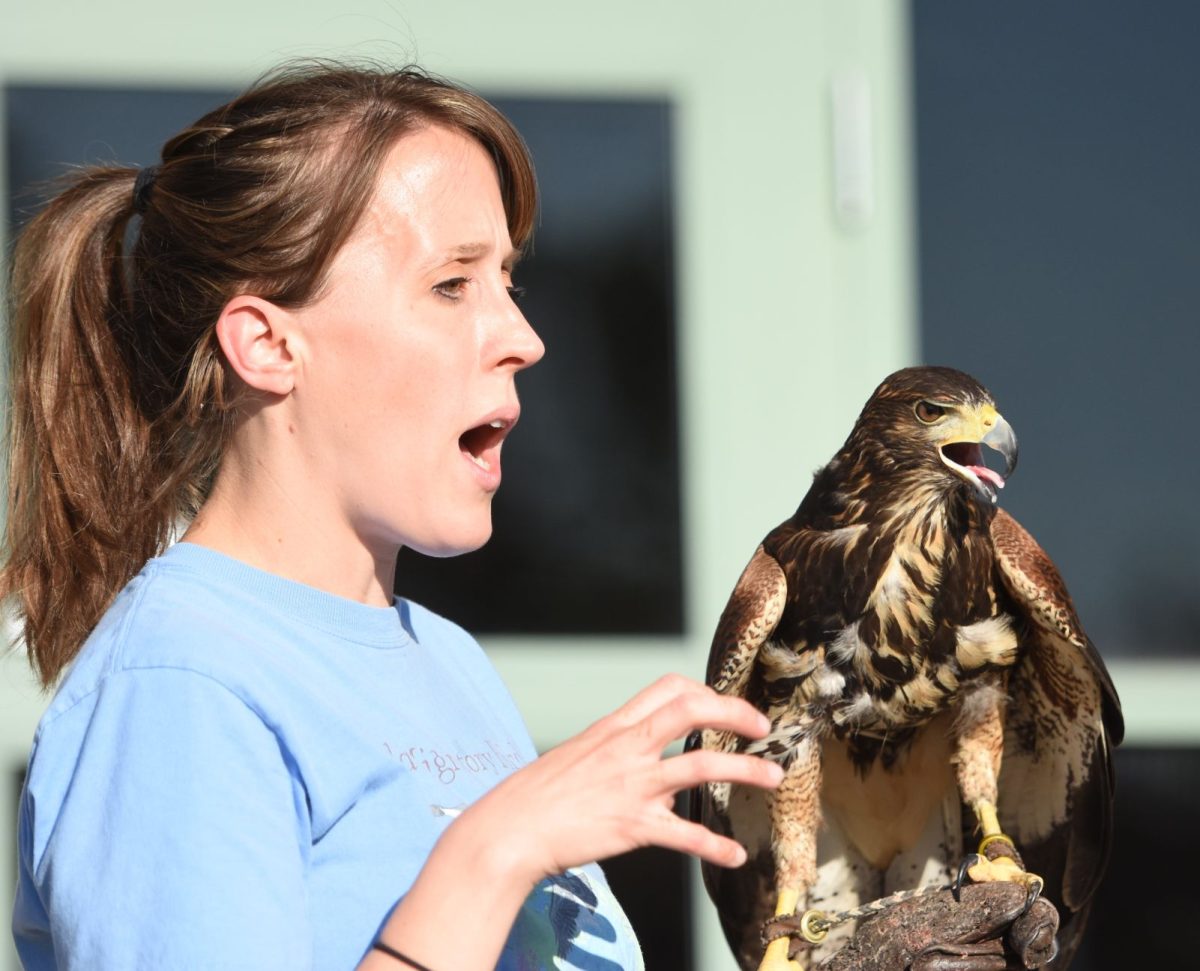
519	345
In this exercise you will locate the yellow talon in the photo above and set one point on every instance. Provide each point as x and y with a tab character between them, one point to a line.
1003	869
776	956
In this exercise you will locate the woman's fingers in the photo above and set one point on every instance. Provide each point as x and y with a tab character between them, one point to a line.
609	789
694	768
703	708
650	699
673	706
674	833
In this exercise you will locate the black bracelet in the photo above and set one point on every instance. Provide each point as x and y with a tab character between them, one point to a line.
393	953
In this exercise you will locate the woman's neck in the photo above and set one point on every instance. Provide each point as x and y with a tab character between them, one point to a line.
267	510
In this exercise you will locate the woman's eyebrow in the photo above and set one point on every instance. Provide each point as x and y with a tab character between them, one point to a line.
466	252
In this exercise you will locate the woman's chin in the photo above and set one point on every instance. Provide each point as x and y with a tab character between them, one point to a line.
454	543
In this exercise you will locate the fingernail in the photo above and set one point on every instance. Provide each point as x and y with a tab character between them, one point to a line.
764	723
739	856
776	772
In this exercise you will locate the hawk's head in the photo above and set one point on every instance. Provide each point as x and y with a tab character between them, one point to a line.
932	421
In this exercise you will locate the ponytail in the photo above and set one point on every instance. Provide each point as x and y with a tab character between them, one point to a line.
80	460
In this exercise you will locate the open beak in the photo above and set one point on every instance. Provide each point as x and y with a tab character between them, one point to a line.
988	428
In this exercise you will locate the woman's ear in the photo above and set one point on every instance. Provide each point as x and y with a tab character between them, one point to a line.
260	343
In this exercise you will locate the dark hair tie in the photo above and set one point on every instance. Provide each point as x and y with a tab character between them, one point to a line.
143	185
393	953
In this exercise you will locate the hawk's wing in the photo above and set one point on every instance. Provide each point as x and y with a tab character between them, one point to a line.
749	618
744	896
1063	717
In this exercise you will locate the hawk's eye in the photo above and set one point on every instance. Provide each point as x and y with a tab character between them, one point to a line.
928	412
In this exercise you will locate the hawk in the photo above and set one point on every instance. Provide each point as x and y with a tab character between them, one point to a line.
926	678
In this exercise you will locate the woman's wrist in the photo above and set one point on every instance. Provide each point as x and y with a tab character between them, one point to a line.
475	869
494	845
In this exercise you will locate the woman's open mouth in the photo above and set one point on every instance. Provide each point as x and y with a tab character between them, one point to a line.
481	444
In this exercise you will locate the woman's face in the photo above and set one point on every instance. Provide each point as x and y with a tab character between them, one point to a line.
408	387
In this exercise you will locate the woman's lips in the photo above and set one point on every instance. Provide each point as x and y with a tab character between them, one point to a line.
481	446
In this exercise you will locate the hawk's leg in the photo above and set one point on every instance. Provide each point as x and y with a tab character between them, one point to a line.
980	748
795	815
998	858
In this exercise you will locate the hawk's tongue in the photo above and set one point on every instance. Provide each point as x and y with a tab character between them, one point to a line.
985	473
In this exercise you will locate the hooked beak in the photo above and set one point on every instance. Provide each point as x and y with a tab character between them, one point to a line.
1002	438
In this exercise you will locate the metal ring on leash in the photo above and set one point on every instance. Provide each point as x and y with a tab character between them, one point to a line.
814	926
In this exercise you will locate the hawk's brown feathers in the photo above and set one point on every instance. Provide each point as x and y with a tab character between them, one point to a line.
919	657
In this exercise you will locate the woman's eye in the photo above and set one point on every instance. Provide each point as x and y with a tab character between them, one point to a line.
516	293
928	412
451	289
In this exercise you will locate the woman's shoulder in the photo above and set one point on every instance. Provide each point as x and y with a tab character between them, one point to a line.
154	623
195	611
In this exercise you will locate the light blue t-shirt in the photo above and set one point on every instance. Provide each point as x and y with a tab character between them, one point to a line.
241	771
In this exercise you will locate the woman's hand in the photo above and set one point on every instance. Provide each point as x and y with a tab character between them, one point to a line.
609	789
603	792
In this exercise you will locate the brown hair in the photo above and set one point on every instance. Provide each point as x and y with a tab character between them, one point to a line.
121	400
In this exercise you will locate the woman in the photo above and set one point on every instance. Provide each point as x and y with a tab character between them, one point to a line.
308	357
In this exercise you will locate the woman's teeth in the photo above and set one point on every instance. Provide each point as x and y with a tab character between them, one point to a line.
477	458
